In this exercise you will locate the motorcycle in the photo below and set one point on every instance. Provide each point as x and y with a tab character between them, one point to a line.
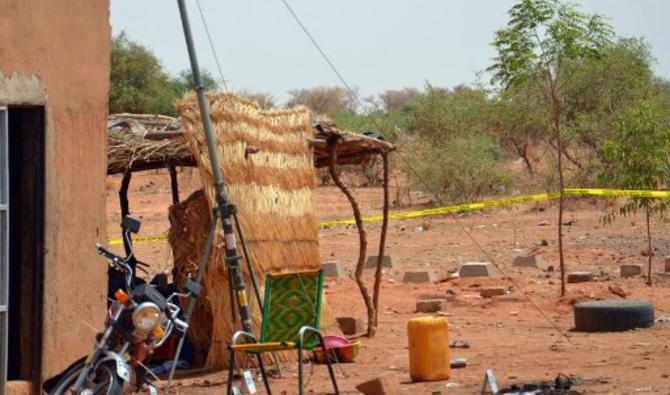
139	320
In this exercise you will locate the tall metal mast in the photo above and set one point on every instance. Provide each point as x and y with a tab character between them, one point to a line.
223	210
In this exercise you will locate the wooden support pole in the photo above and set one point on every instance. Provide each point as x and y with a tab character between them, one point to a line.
362	237
382	240
174	185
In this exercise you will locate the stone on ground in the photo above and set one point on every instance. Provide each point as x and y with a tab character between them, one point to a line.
477	269
419	277
383	385
579	277
429	305
630	270
371	263
533	261
350	325
667	264
333	269
492	291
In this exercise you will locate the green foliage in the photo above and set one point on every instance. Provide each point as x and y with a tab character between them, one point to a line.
390	125
461	169
542	37
138	83
636	157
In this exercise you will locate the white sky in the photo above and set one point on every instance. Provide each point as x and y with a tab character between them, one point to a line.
376	44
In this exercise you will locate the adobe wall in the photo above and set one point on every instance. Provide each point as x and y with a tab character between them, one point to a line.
57	53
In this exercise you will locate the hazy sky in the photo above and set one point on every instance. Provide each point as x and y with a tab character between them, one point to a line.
376	44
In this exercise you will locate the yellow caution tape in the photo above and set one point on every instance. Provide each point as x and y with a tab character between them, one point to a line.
463	207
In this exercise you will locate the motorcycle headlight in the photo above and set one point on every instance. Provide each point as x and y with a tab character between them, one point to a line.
146	316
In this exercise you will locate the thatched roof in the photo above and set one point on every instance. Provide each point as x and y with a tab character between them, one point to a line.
146	142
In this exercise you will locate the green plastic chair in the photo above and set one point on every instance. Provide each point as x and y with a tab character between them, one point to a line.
291	312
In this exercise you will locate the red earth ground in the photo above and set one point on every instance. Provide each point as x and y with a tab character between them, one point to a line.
524	336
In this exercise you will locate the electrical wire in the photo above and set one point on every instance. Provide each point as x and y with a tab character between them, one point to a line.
211	45
354	97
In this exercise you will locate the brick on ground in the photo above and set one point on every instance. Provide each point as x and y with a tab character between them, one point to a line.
630	270
350	325
371	262
333	269
579	277
429	305
533	261
419	277
477	269
382	385
492	291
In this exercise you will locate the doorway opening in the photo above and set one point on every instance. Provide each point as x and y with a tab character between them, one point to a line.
26	139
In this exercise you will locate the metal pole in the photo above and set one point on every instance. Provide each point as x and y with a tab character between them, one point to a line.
222	211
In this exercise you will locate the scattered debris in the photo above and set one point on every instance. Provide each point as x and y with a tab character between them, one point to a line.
459	344
419	277
617	290
579	277
350	325
333	269
561	385
458	363
382	385
477	269
630	270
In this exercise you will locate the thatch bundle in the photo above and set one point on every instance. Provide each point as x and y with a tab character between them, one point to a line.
273	189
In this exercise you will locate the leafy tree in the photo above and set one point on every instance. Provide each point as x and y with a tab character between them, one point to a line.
183	83
542	43
637	158
395	100
138	83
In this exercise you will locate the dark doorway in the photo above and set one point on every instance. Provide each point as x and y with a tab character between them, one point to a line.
26	241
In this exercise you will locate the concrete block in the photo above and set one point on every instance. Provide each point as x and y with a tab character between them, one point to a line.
350	325
383	385
333	269
533	261
419	277
579	277
477	269
492	291
630	270
371	263
429	305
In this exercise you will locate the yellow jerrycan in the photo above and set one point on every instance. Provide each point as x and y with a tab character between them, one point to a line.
428	348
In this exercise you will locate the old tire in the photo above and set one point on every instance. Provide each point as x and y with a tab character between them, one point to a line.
613	315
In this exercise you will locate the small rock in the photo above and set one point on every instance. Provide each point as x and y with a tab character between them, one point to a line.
579	277
453	385
350	325
543	223
458	363
492	291
617	290
513	313
429	305
544	243
383	385
646	252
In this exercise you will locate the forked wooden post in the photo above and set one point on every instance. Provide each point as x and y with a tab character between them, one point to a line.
382	239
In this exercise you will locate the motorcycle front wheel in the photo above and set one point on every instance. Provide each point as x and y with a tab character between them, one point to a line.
105	381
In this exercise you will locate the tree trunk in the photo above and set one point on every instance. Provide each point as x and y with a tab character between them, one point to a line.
650	252
382	240
362	237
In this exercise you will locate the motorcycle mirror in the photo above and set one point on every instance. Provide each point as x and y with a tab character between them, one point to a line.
131	224
193	288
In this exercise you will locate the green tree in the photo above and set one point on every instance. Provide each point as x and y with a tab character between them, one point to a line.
183	83
542	43
138	83
637	158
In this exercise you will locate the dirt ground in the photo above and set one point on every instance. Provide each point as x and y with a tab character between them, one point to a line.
524	336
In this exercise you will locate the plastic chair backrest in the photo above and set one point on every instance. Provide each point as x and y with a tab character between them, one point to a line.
292	300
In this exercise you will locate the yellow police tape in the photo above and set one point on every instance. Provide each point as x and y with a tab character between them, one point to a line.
464	207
